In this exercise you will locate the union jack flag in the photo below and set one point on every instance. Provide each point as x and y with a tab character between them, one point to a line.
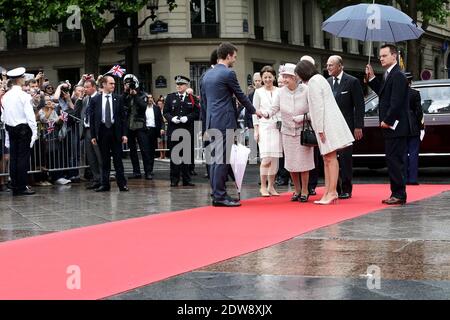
65	116
51	126
117	71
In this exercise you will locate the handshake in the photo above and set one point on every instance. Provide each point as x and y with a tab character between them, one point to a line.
178	120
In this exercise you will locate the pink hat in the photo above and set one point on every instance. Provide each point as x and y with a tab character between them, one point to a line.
288	69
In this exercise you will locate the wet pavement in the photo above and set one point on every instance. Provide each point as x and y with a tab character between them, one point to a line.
408	245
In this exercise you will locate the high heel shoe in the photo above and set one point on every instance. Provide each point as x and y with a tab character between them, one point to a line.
274	193
264	193
295	197
303	198
327	202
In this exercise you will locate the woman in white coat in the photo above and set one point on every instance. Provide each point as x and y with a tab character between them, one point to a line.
266	132
329	124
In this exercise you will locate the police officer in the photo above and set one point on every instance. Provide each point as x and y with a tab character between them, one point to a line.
20	121
180	111
135	102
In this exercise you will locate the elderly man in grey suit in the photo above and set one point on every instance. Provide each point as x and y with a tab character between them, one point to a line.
217	89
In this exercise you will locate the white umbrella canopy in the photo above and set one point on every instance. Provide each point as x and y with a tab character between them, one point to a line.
238	161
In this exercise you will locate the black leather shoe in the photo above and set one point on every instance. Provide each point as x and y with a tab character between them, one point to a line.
345	195
124	189
136	176
412	183
93	186
312	192
26	192
174	184
303	198
394	201
149	176
188	184
295	197
226	203
102	189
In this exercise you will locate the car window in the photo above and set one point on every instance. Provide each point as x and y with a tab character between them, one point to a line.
435	99
371	106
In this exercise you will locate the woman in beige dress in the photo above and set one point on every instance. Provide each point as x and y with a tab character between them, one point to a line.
293	104
329	124
267	135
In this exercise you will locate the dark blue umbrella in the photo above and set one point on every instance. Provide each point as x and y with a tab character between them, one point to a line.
372	22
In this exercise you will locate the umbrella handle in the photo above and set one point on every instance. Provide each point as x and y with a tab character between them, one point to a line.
370	50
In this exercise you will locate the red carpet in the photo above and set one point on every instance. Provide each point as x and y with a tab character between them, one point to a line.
120	256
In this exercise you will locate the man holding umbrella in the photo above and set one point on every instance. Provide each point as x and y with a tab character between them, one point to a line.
394	104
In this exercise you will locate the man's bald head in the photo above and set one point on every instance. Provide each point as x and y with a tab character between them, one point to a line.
257	80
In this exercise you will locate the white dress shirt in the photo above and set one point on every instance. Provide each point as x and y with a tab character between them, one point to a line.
17	109
339	78
150	117
104	106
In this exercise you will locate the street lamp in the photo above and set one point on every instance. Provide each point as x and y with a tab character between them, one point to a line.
152	5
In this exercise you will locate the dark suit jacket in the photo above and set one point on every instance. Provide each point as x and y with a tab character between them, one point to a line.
393	94
95	116
350	99
158	120
217	89
415	112
174	107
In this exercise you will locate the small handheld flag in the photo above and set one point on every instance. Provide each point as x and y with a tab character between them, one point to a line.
117	71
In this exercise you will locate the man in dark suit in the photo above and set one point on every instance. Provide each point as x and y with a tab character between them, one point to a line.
109	131
217	89
349	96
394	120
154	126
180	112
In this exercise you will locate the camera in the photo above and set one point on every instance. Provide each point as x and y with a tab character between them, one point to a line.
65	89
131	84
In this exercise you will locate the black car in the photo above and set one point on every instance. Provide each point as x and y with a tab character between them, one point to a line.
435	147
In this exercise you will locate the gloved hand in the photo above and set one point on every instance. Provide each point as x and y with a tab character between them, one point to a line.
184	119
33	139
176	120
298	119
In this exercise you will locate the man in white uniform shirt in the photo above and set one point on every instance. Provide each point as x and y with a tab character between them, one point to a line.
20	121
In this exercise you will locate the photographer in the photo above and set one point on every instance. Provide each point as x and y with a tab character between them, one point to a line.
135	102
62	96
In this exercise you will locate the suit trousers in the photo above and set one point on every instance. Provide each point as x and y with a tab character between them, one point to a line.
152	138
142	139
177	169
412	159
396	149
345	170
220	167
94	157
20	153
109	145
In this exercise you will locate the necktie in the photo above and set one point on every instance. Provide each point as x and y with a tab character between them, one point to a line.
86	115
386	74
335	86
108	113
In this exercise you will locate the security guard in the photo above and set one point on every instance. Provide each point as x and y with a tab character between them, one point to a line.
180	111
20	121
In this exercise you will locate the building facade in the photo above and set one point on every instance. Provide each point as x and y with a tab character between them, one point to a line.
266	32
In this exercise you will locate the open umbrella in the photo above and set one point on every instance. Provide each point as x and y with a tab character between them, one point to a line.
238	161
372	22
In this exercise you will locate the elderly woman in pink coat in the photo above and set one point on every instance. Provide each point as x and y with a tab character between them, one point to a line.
329	124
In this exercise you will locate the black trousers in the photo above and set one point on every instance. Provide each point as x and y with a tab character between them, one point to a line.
20	152
109	146
396	149
345	160
147	155
177	169
152	138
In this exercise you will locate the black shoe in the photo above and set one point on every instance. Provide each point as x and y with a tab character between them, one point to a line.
149	176
174	184
345	195
102	189
412	183
226	203
193	173
136	176
312	192
303	198
26	192
394	201
295	197
93	186
124	189
188	184
232	199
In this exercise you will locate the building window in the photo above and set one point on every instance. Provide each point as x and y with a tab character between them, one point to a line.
196	71
71	74
145	77
18	40
205	19
69	37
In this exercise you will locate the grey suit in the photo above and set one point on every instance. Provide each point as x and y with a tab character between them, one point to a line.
217	89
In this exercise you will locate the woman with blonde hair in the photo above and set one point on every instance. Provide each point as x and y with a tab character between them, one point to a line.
267	133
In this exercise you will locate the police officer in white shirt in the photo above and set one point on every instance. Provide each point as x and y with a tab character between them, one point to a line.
20	121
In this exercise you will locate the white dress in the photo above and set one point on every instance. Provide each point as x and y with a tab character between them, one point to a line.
326	116
269	135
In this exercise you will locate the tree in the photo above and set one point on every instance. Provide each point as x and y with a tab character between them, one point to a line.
431	10
47	14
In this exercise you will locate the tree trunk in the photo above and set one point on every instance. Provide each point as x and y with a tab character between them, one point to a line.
91	48
412	64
